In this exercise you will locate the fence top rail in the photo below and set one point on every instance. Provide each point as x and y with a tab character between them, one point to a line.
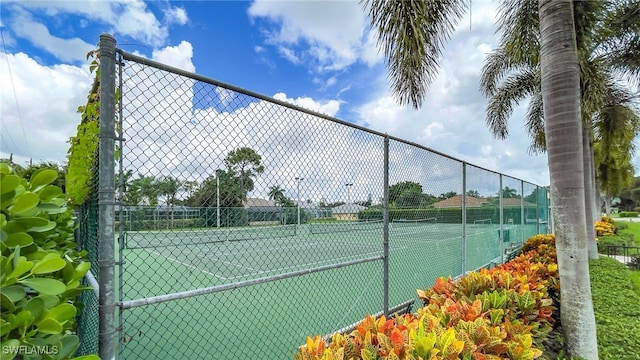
160	66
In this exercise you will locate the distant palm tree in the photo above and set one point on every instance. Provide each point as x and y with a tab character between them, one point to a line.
276	193
508	192
169	187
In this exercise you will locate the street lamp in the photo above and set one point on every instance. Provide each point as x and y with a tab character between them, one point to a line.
299	179
348	185
218	172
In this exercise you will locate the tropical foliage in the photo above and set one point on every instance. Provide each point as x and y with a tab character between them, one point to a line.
40	268
503	313
84	146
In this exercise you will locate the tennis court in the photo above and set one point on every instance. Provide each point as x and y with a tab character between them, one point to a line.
163	262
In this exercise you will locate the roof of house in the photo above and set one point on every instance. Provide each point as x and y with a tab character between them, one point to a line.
515	202
348	209
253	202
305	205
456	202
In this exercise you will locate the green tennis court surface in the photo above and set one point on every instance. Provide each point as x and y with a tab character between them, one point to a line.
163	262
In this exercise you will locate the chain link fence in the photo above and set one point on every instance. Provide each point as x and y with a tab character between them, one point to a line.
87	239
247	223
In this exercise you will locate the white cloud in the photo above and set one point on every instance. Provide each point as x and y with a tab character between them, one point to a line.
331	33
330	107
289	54
176	15
452	118
48	117
167	135
369	51
69	50
122	17
177	56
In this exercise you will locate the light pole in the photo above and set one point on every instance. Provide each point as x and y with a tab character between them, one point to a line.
348	185
218	197
299	179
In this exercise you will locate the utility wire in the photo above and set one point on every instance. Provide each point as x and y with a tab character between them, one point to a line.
15	96
6	133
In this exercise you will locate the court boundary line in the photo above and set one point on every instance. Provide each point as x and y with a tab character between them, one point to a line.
187	265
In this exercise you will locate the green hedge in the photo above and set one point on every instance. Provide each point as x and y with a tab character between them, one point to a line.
229	217
626	214
448	215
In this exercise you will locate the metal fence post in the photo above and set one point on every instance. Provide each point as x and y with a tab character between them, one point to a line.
106	196
522	214
385	228
464	218
501	237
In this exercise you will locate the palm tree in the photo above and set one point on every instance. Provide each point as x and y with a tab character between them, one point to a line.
508	192
560	82
512	72
412	35
169	187
276	193
143	188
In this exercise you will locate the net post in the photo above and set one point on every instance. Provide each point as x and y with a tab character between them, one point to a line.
385	229
106	197
464	218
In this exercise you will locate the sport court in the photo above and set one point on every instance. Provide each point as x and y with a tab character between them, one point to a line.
164	262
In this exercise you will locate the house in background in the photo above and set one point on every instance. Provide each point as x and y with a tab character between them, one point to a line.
347	212
313	210
263	212
456	202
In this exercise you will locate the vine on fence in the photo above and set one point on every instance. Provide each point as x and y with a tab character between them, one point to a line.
84	146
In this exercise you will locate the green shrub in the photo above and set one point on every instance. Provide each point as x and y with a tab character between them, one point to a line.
628	214
622	225
446	216
619	239
40	268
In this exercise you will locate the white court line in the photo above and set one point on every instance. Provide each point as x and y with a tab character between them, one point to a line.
188	265
315	263
292	246
261	250
208	256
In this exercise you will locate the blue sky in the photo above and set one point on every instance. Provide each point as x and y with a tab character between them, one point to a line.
317	54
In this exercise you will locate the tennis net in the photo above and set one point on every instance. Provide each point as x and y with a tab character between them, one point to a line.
155	239
482	222
344	226
414	222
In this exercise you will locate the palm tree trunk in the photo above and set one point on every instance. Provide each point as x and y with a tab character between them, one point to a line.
587	162
563	127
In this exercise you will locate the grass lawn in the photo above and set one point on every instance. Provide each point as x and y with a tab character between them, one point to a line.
632	228
616	301
635	278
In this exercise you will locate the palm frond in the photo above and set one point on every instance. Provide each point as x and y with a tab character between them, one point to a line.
534	123
519	24
496	66
514	88
412	35
619	38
